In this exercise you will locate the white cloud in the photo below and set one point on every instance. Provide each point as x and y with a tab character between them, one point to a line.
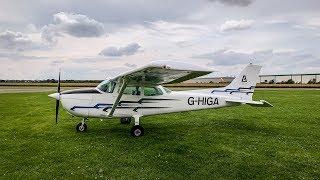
31	28
227	57
235	2
313	22
236	25
130	65
76	25
128	50
50	34
16	41
177	31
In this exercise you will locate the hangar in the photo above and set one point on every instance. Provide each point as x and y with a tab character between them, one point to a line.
296	78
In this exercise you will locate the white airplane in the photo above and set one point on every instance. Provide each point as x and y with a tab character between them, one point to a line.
139	93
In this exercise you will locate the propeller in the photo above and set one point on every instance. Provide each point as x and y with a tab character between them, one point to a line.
58	99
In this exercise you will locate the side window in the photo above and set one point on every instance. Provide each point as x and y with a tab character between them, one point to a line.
132	90
152	91
107	86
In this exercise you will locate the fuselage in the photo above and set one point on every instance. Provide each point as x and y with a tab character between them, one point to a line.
97	103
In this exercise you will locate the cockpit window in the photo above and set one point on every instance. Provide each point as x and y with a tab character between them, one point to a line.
107	86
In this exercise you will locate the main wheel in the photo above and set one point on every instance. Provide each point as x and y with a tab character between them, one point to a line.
137	131
125	120
81	127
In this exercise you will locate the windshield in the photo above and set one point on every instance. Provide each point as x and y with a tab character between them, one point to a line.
107	86
167	90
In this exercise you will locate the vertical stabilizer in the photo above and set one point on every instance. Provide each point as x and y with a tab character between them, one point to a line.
243	85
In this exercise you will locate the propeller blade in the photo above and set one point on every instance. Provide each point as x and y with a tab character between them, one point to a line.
57	110
58	100
59	82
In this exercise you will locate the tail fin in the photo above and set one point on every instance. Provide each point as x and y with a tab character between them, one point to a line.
243	85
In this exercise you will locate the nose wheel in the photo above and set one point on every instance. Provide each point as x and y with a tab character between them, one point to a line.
82	127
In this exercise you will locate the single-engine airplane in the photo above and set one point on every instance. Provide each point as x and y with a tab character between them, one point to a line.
139	93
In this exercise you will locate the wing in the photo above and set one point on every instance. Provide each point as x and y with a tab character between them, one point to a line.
163	72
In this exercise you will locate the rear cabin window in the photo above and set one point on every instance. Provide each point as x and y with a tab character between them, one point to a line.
152	91
107	86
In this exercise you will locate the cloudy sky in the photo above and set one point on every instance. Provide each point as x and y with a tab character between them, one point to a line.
98	39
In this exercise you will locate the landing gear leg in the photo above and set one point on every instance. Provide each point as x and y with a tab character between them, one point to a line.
137	130
82	127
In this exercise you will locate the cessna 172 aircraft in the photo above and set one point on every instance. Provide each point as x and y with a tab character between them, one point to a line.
139	93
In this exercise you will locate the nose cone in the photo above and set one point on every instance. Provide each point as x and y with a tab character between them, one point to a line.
55	96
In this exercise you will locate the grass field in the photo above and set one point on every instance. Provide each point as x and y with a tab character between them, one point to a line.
232	143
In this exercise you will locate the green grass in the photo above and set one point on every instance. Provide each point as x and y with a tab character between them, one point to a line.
232	143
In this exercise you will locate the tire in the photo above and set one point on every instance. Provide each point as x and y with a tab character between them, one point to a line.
125	120
81	128
137	131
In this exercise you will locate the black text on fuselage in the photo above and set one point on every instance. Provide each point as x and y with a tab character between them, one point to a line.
203	101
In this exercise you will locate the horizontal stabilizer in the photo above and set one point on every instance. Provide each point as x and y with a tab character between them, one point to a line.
261	103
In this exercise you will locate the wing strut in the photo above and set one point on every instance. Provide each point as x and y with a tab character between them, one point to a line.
115	104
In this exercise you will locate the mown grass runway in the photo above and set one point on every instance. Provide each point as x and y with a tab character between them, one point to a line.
240	142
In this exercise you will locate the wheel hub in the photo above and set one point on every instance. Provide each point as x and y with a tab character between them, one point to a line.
137	132
81	128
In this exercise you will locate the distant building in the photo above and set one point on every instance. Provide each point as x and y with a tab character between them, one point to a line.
297	78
